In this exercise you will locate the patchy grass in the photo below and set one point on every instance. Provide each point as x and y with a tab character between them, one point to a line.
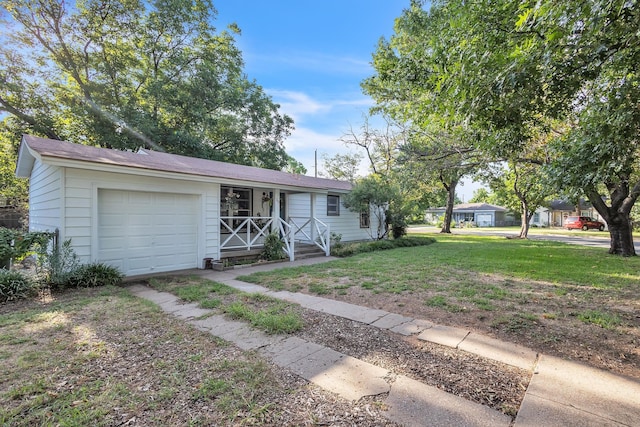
262	312
548	295
101	357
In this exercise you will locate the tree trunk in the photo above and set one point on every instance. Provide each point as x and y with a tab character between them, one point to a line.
620	230
617	215
451	199
525	217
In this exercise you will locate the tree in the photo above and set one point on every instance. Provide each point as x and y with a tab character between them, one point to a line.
342	166
132	73
521	188
480	195
515	69
406	87
376	194
588	53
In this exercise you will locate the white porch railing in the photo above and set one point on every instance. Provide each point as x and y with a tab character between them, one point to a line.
251	231
249	234
311	231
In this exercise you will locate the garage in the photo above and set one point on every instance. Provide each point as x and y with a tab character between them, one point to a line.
484	220
147	232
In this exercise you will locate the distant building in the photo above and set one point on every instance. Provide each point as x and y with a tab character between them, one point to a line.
474	214
555	214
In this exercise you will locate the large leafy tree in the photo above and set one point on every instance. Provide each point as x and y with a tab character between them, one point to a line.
584	57
517	68
130	73
407	86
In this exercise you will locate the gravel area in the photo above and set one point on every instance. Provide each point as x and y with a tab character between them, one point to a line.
472	377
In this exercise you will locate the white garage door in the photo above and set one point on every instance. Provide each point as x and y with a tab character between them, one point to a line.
484	220
143	232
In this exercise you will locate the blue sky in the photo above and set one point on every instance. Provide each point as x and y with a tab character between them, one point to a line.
311	58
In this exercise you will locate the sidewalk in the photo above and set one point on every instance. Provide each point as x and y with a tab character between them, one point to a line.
561	393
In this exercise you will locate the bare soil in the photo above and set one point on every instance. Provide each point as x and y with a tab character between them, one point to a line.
556	331
157	365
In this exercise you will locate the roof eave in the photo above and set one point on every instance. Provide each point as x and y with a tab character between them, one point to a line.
26	159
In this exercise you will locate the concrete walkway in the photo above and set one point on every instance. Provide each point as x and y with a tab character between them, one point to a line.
561	393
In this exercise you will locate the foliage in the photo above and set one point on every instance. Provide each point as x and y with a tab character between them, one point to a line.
349	249
16	244
342	166
557	76
376	195
481	195
60	265
15	285
14	190
273	247
93	275
130	74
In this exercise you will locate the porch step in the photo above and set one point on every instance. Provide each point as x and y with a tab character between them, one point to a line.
304	250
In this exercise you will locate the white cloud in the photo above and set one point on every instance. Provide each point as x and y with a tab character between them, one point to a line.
300	105
297	104
314	61
319	125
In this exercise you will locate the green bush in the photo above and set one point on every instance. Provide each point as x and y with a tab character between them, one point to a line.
93	275
14	285
379	245
61	265
16	244
273	248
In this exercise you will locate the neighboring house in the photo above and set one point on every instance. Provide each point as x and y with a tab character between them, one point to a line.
147	211
556	213
478	214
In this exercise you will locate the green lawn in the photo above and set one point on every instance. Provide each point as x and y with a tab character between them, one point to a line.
454	256
562	299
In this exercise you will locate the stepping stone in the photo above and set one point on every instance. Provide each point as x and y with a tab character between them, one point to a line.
601	397
413	327
391	320
292	350
412	403
444	335
344	375
189	311
350	311
511	354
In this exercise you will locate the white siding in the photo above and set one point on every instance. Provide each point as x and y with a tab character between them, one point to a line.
81	207
346	224
44	197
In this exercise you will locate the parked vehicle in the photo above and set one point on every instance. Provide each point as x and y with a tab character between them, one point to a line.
583	223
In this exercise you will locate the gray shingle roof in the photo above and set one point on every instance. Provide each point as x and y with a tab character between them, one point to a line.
157	161
471	207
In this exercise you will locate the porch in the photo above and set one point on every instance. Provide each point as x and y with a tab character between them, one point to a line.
249	215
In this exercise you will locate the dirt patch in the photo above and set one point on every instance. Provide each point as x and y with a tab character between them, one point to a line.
475	378
554	328
100	357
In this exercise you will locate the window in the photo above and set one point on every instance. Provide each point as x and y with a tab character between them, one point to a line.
235	202
333	205
364	220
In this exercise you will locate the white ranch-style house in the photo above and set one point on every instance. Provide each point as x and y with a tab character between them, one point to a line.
147	211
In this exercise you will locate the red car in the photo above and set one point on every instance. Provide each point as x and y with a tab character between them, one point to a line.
583	222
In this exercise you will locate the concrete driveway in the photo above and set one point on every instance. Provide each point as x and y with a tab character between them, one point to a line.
575	238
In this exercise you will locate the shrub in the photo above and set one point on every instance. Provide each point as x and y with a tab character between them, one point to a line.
93	275
60	265
16	244
14	285
378	245
273	247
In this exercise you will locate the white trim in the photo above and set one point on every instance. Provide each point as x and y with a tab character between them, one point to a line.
132	170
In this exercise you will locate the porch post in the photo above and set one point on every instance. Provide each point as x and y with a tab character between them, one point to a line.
275	212
312	215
